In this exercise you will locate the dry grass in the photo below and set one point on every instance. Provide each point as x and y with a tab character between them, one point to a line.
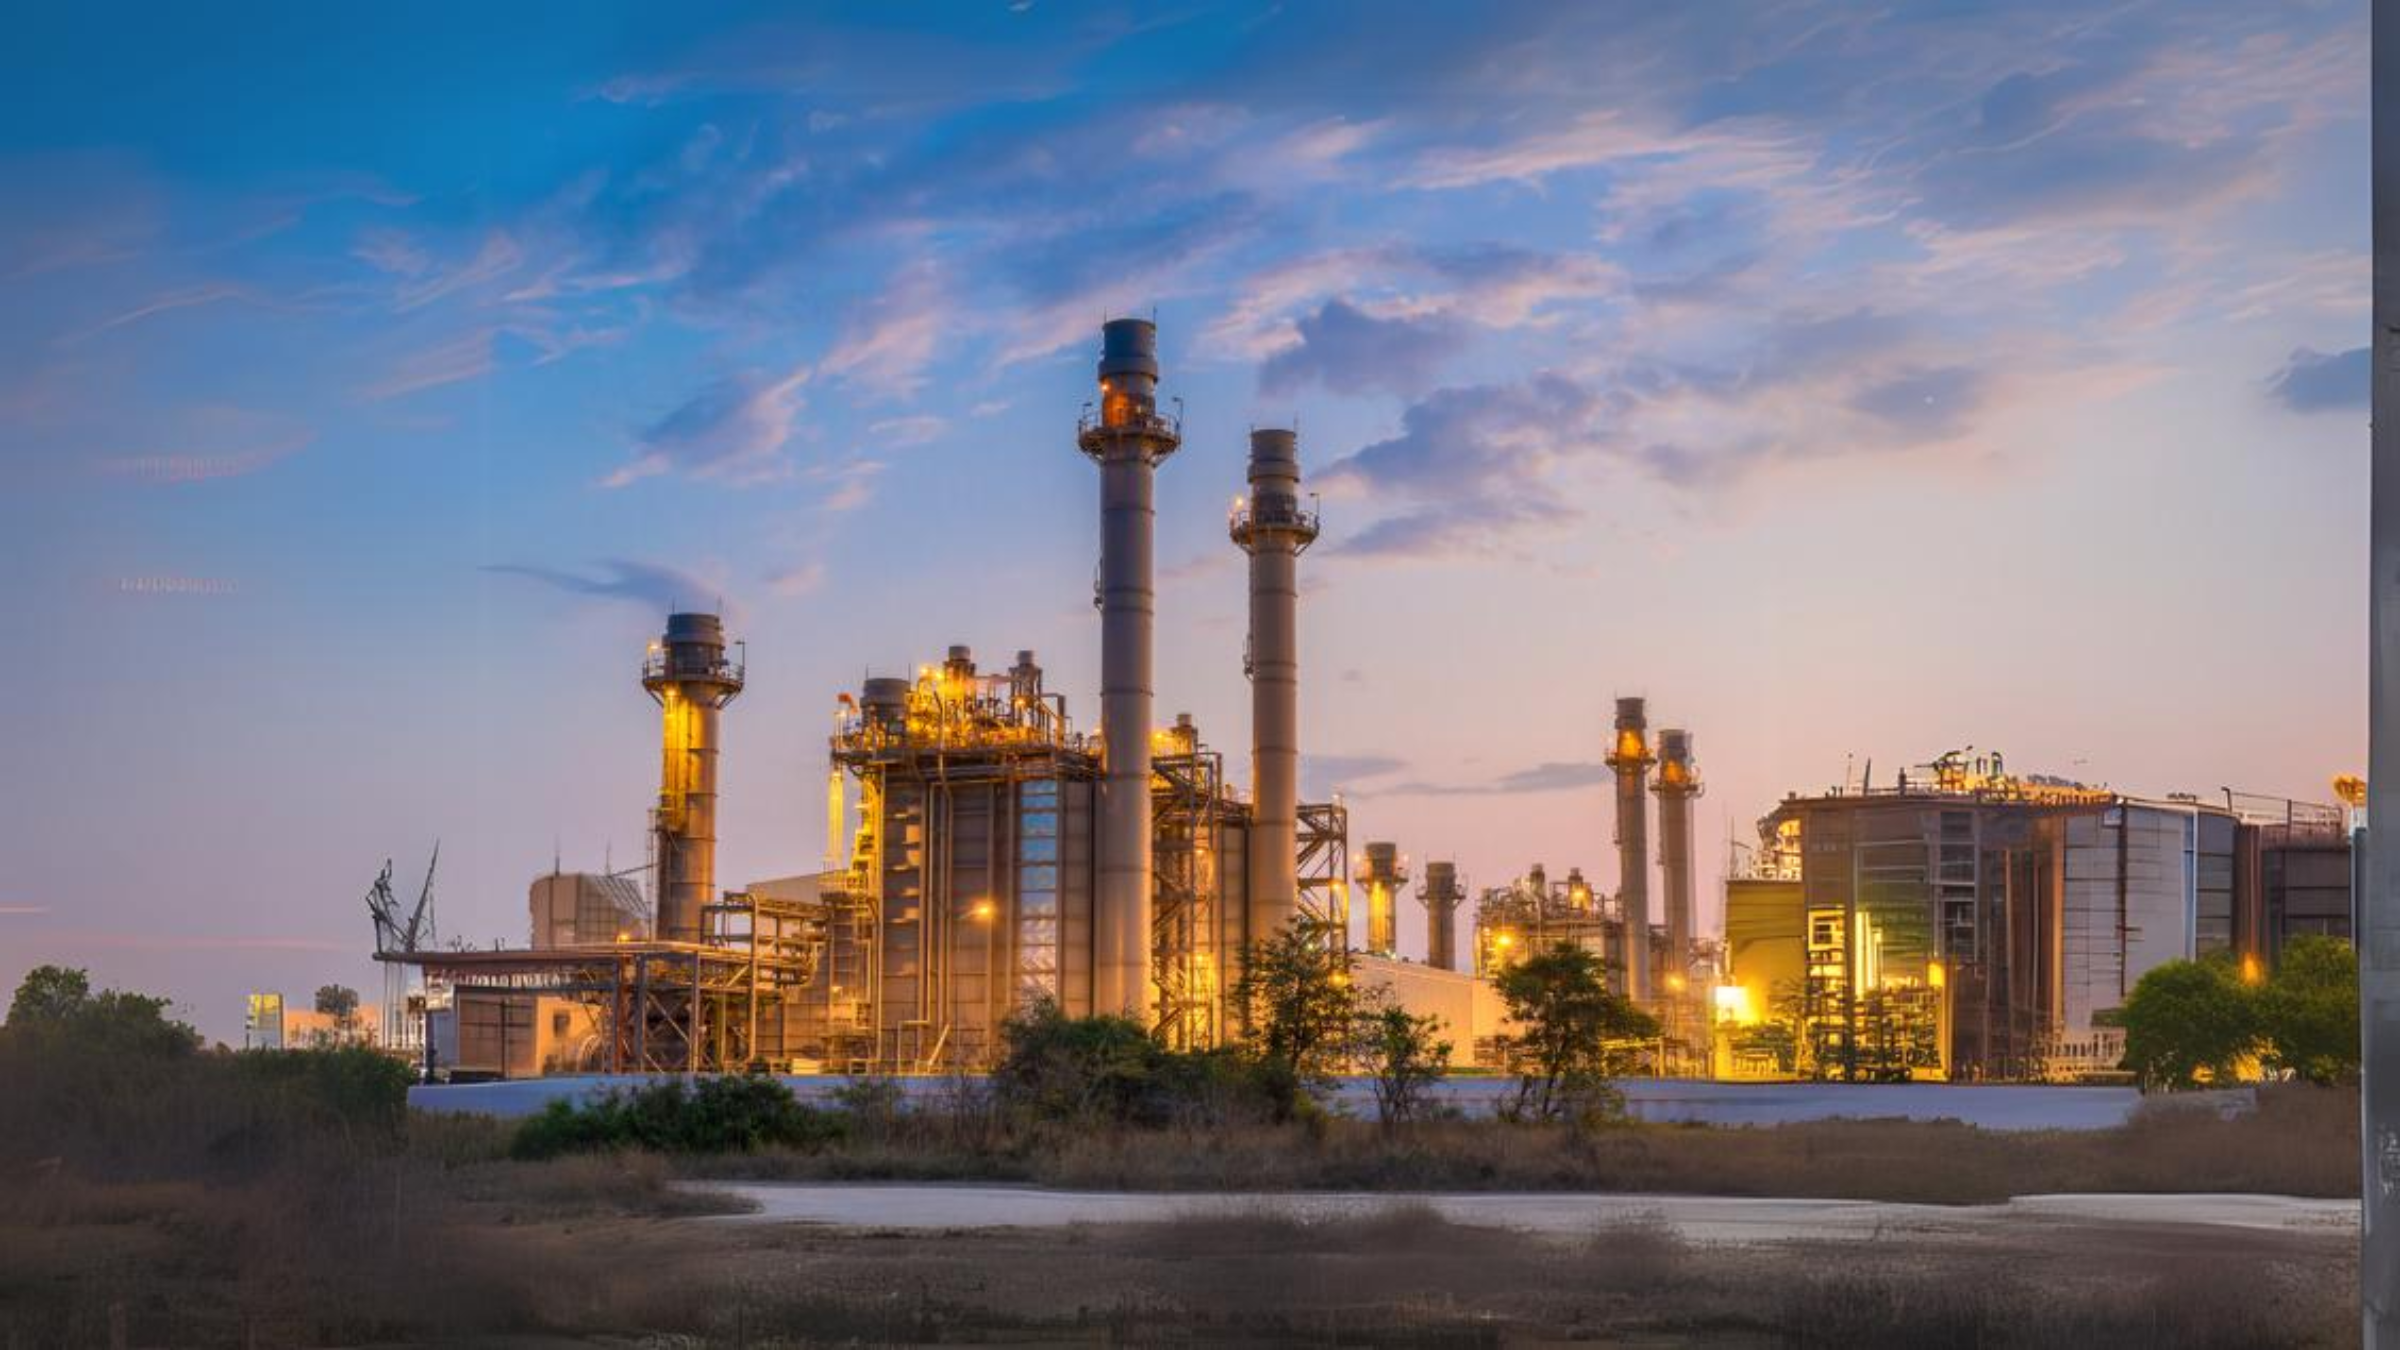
574	1251
443	1239
2302	1141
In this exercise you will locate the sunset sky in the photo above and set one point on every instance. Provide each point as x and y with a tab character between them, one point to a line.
1853	381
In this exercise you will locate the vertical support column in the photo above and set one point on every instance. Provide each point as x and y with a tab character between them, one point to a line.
2377	905
1127	440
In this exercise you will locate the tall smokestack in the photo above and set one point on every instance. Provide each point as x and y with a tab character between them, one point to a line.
1441	896
1384	875
686	671
1631	759
1127	440
1678	783
1273	528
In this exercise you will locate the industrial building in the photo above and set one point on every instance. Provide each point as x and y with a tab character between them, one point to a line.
989	853
1963	922
986	853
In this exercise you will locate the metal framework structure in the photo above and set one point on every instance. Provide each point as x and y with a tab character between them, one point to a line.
953	908
669	1007
1189	806
1324	866
1534	913
395	932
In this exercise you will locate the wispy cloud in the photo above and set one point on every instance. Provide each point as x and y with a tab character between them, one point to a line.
151	941
1350	352
2313	381
888	344
1477	460
216	443
1548	777
190	297
798	579
650	585
465	356
734	429
853	484
1323	775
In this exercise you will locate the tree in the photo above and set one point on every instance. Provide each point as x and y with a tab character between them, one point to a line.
2308	1010
1405	1055
55	1007
2187	1019
1080	1070
1567	1014
337	1001
50	994
1296	993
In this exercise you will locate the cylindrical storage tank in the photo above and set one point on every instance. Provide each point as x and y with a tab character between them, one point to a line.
1579	891
1630	757
688	674
883	699
1127	441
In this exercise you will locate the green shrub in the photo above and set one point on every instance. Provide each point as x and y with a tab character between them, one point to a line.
2308	1011
348	1086
1056	1069
2187	1020
706	1115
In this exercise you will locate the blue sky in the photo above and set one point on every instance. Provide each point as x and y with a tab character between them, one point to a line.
1852	381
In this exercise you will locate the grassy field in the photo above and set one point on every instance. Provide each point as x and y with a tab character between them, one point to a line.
600	1251
2302	1141
434	1236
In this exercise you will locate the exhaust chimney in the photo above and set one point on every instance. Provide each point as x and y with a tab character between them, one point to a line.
1383	874
1441	897
1273	528
1631	759
1127	439
1678	783
686	671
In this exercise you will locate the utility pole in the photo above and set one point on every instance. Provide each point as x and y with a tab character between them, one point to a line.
2377	928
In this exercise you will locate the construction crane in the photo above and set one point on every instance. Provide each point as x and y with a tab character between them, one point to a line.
395	933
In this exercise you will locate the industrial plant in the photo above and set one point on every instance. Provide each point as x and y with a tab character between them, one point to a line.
986	854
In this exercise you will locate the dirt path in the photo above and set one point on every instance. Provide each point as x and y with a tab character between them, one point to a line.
1701	1219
